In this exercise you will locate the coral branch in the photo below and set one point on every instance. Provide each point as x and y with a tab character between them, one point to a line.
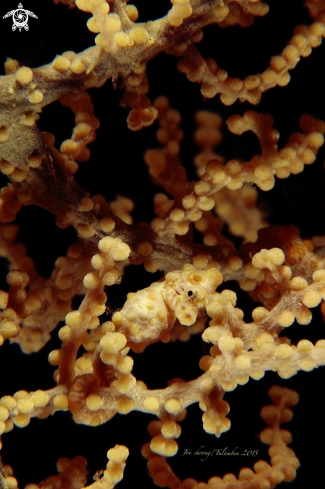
233	272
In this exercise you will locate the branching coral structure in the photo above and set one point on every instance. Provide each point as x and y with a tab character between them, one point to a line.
220	273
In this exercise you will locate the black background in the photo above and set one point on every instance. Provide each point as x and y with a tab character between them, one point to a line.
117	167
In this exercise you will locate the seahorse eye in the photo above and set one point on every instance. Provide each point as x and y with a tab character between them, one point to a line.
189	293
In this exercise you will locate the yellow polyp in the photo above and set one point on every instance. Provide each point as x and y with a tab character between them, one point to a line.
86	204
6	167
169	429
139	35
21	420
77	66
132	12
101	41
202	188
268	77
4	134
283	351
91	281
25	406
97	310
108	358
118	454
312	298
4	413
61	402
125	405
111	277
60	64
125	383
278	63
94	24
319	275
112	23
70	55
189	201
229	386
173	406
286	318
40	399
98	261
298	283
165	447
117	319
85	231
121	39
283	80
218	177
125	364
18	175
257	374
54	357
36	97
73	320
94	402
151	403
242	362
69	147
9	329
9	402
24	75
226	343
178	13
144	248
206	203
181	228
107	224
28	120
11	66
11	482
113	342
9	426
88	5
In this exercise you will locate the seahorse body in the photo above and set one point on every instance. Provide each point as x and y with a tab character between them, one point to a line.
149	314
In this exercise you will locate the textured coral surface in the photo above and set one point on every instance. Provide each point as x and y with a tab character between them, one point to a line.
162	244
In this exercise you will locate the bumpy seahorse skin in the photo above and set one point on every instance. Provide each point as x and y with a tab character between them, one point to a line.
149	314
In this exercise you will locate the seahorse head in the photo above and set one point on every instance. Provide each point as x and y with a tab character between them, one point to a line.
186	291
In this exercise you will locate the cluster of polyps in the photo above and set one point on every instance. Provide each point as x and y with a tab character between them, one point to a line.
180	10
